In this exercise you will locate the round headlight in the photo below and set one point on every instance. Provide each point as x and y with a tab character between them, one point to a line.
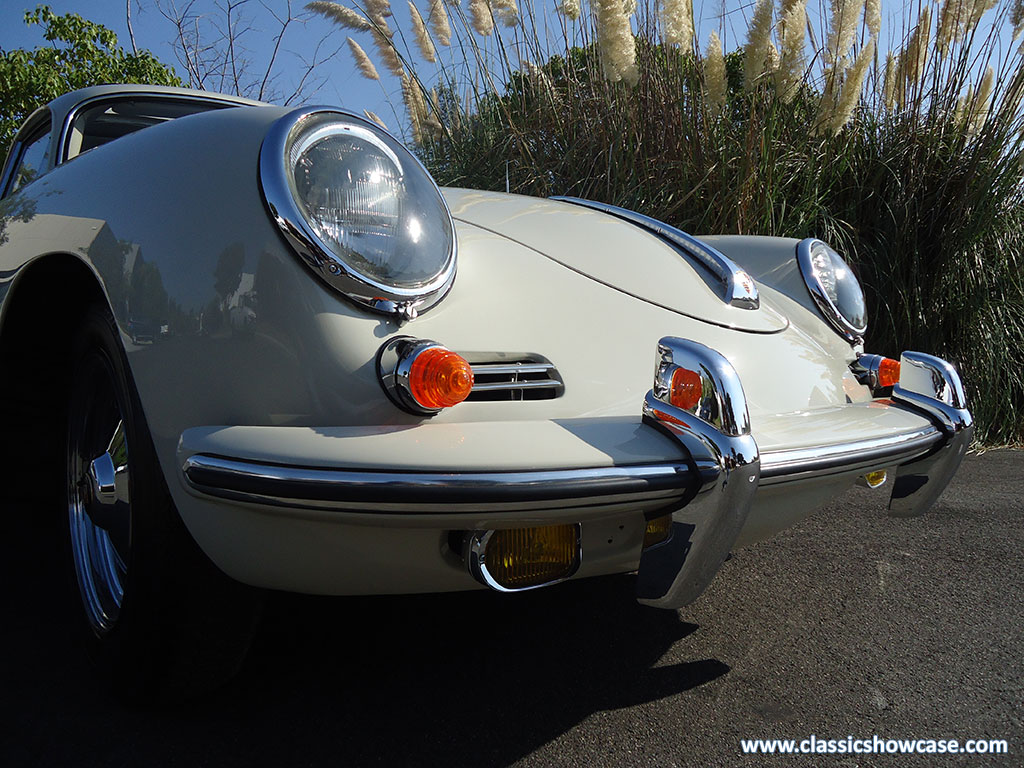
360	209
834	287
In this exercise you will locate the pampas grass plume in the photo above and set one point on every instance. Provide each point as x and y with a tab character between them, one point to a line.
873	16
570	9
849	97
792	65
615	42
373	116
889	87
842	30
715	82
677	22
507	12
340	15
480	16
439	23
363	63
420	34
758	37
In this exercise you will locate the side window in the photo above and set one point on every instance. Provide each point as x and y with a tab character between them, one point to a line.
111	119
32	162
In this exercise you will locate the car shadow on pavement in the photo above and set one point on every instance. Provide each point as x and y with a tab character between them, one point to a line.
478	678
474	678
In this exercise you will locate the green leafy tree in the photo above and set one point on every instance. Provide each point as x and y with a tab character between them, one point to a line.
79	53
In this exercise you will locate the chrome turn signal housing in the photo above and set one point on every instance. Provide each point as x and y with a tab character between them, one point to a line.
423	377
876	372
517	559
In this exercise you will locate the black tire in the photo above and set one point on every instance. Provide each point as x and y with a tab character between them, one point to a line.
162	622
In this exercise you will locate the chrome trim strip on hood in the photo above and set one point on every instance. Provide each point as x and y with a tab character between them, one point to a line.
739	288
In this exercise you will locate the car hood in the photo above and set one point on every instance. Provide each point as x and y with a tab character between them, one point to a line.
613	252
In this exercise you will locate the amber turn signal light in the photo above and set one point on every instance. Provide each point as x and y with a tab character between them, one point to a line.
888	372
686	389
440	378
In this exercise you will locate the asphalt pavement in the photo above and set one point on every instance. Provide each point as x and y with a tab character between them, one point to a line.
850	624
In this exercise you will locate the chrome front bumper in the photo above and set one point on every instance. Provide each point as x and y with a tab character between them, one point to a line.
407	492
708	491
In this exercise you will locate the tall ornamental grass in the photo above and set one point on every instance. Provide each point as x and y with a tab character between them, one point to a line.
902	148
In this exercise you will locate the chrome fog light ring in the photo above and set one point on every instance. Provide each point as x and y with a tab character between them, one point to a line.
475	549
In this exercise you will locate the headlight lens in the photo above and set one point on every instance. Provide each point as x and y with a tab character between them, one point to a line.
359	208
834	287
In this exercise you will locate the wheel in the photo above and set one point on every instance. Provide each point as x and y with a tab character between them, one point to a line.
160	619
99	497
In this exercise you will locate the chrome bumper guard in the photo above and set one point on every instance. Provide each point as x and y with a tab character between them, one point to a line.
932	386
725	461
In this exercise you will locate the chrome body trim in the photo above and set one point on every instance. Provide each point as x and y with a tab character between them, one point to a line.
504	386
31	127
739	288
513	368
828	310
931	385
401	303
543	378
421	492
727	466
8	170
475	548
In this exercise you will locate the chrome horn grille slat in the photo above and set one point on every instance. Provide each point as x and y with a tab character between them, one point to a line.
522	380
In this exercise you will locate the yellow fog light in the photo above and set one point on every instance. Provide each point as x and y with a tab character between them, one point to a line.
523	558
658	531
874	479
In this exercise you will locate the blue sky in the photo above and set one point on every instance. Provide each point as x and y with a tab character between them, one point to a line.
339	83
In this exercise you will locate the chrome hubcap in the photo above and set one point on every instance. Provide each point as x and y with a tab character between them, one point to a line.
99	509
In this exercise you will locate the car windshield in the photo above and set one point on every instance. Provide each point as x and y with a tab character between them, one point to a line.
109	120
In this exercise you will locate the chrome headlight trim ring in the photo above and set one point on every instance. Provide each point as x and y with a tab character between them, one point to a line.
837	319
325	261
